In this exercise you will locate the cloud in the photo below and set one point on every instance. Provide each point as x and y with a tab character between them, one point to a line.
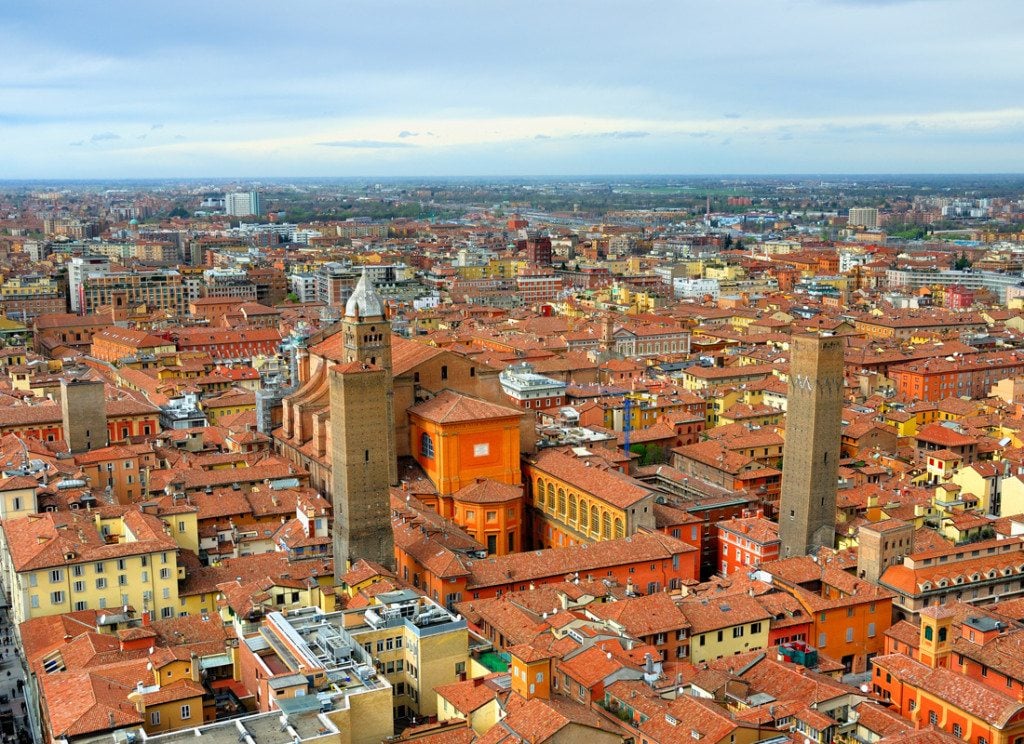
76	143
364	144
157	126
630	134
406	133
104	137
731	115
541	136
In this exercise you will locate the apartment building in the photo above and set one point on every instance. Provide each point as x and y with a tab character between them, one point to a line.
61	562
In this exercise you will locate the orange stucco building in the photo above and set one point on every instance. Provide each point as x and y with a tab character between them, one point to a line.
469	449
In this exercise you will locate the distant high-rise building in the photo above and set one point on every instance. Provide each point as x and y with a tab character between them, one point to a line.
810	455
863	217
242	203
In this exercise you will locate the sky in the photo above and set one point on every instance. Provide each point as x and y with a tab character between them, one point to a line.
185	89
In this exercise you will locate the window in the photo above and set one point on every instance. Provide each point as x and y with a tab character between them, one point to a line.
57	598
933	718
911	704
871	630
444	371
101	583
56	575
426	445
737	632
849	635
79	586
186	712
154	718
165	573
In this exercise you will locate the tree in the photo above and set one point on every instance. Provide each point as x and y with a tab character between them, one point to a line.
727	243
291	297
179	211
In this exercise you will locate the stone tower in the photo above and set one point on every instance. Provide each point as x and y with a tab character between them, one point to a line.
363	465
83	407
810	455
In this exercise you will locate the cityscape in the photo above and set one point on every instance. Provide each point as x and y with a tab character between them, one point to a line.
471	374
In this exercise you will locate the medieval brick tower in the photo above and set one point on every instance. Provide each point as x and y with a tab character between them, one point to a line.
810	455
363	466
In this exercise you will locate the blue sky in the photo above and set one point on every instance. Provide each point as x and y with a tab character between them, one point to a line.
95	89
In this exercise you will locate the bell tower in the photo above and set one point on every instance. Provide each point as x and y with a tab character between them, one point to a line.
367	332
936	639
363	464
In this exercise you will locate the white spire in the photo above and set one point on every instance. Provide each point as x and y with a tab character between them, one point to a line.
364	302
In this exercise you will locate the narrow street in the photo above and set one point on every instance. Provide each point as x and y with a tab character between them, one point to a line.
14	726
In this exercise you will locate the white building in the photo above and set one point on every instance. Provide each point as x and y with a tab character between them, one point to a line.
242	203
684	288
79	268
863	217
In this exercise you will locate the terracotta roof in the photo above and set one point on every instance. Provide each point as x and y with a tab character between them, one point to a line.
487	491
59	539
957	690
592	476
540	564
449	407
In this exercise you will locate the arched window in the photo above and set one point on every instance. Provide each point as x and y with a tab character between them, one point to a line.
942	635
595	520
606	525
426	445
583	514
561	502
619	529
538	494
551	497
929	632
572	507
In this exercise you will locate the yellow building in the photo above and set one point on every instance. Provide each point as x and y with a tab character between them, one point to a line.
578	500
17	497
724	627
409	644
55	563
228	404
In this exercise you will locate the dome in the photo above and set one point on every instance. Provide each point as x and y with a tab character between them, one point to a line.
364	302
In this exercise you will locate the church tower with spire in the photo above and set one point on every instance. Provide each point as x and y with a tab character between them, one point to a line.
363	465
